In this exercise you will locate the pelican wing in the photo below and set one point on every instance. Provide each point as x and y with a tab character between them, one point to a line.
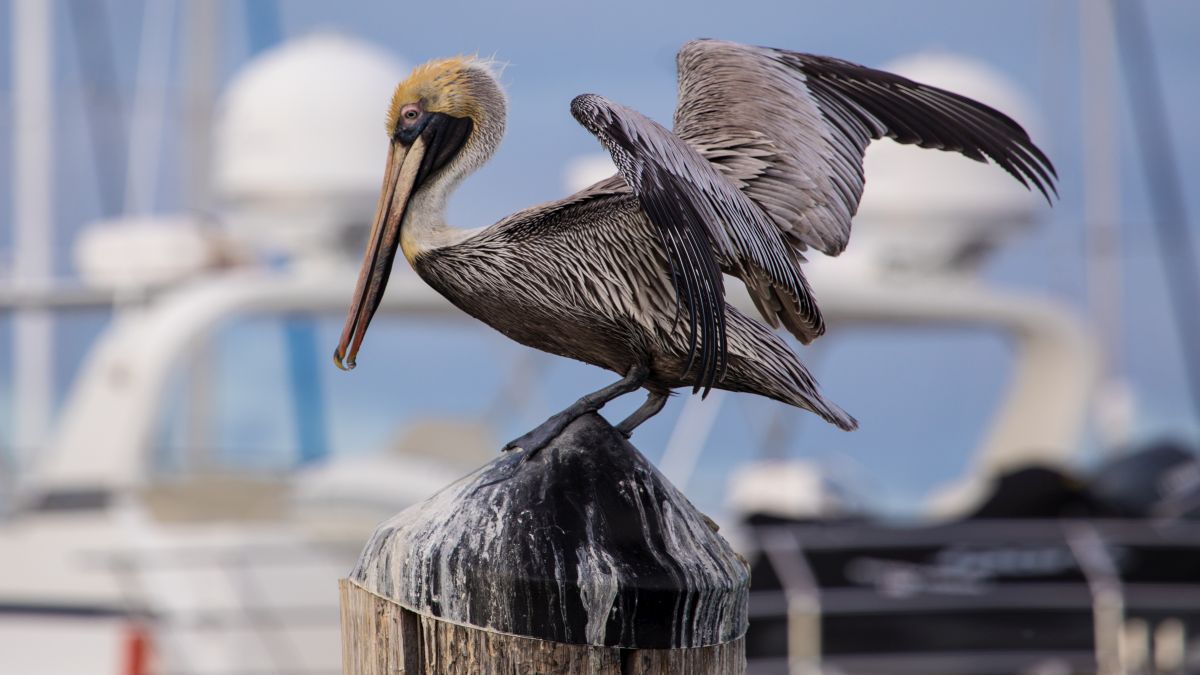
790	129
707	225
766	161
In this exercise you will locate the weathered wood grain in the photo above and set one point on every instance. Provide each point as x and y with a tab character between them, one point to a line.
381	638
723	659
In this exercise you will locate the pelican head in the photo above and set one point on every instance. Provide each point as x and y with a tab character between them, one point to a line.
444	122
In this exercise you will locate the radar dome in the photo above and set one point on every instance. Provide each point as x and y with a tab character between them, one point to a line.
300	141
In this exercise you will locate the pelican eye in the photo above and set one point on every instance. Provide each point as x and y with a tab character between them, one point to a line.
410	113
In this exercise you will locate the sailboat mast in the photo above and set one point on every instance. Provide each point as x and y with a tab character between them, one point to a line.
33	218
1101	217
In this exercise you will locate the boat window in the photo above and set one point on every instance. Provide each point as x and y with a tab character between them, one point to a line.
72	500
262	395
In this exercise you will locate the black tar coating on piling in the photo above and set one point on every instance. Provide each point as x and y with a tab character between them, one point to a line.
585	543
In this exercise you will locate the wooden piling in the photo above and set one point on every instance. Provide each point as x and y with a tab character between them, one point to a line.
583	559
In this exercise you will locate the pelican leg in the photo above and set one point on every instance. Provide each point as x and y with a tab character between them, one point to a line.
653	405
547	431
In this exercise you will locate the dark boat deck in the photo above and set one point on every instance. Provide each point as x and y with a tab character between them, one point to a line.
975	596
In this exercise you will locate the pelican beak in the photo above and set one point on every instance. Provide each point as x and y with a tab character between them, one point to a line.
399	181
415	154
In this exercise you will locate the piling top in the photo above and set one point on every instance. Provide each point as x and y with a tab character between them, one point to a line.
585	543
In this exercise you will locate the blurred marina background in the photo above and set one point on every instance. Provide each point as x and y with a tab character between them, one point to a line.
185	187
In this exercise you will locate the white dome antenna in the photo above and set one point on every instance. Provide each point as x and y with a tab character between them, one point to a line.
300	144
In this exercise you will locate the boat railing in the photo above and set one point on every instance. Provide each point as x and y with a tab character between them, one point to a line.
1094	595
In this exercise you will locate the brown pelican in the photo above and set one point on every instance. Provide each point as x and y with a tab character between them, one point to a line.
764	162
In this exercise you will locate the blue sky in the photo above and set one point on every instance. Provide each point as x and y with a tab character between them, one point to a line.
625	51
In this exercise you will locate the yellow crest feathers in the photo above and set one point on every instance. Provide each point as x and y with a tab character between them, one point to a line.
444	86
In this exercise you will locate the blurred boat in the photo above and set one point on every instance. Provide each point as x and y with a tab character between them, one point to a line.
151	555
1026	564
213	571
234	574
1051	572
